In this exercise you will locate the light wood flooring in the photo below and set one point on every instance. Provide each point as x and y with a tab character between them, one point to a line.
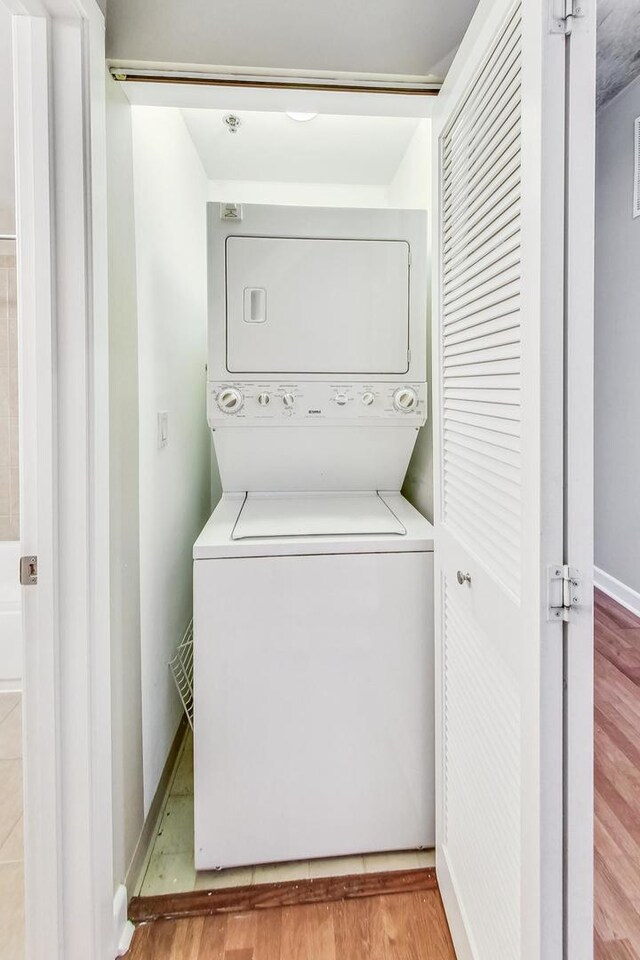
398	927
11	845
617	781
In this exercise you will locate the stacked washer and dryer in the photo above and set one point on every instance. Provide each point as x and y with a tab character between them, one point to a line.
313	579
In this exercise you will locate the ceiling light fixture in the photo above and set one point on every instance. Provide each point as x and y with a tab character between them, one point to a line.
301	117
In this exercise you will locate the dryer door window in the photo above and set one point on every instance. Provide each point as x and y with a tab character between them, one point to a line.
317	306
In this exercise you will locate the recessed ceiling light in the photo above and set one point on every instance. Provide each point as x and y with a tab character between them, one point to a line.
301	117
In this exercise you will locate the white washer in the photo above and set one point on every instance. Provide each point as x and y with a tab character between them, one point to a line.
313	592
313	678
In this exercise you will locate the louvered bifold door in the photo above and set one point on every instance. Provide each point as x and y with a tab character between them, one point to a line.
498	313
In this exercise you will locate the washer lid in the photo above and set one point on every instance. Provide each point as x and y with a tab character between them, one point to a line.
314	514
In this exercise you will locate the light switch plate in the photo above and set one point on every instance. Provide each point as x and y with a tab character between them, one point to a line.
163	429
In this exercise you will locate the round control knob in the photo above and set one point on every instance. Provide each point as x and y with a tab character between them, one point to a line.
340	399
264	399
230	400
368	398
288	400
405	399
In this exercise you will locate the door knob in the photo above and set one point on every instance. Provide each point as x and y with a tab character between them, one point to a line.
463	577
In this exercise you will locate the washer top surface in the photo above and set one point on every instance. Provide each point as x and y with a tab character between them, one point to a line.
278	524
315	514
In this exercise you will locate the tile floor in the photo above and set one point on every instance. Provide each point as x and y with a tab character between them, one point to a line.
169	865
11	853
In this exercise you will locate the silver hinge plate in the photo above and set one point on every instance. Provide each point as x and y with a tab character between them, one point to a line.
562	13
563	591
28	571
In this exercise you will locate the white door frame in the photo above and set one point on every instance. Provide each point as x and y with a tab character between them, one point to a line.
58	51
579	472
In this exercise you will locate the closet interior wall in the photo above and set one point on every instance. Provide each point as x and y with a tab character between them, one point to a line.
161	495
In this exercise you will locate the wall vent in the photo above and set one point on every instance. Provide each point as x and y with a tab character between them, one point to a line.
636	167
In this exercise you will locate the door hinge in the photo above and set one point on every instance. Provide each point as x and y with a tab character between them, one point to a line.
563	13
563	591
28	571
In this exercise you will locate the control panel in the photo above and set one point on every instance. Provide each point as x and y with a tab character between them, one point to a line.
296	402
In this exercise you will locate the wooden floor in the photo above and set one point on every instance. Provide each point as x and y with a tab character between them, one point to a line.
413	925
617	782
405	926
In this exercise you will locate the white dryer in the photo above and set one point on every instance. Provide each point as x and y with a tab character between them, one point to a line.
313	579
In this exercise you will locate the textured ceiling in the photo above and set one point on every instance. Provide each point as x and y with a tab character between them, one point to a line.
618	46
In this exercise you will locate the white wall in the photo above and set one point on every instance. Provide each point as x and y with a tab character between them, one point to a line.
126	723
411	183
411	187
7	188
617	345
175	495
299	194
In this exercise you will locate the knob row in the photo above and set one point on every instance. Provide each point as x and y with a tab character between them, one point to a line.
231	400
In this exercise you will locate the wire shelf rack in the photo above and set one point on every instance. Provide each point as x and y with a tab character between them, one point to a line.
181	666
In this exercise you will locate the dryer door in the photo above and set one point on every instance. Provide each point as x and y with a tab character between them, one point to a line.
317	305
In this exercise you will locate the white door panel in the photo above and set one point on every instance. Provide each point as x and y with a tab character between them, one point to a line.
317	305
498	379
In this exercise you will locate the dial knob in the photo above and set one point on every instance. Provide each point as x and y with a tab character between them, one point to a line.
288	400
264	399
340	399
230	400
405	399
368	398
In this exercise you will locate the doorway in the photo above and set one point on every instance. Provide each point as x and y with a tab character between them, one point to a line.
165	164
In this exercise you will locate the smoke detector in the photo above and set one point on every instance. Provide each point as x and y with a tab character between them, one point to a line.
232	122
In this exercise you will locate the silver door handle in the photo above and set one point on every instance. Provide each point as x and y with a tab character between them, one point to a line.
463	577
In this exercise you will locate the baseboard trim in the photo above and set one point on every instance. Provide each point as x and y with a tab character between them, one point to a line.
133	878
123	929
618	591
263	896
456	917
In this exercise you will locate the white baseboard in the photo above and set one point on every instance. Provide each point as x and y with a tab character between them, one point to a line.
617	590
123	929
456	918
